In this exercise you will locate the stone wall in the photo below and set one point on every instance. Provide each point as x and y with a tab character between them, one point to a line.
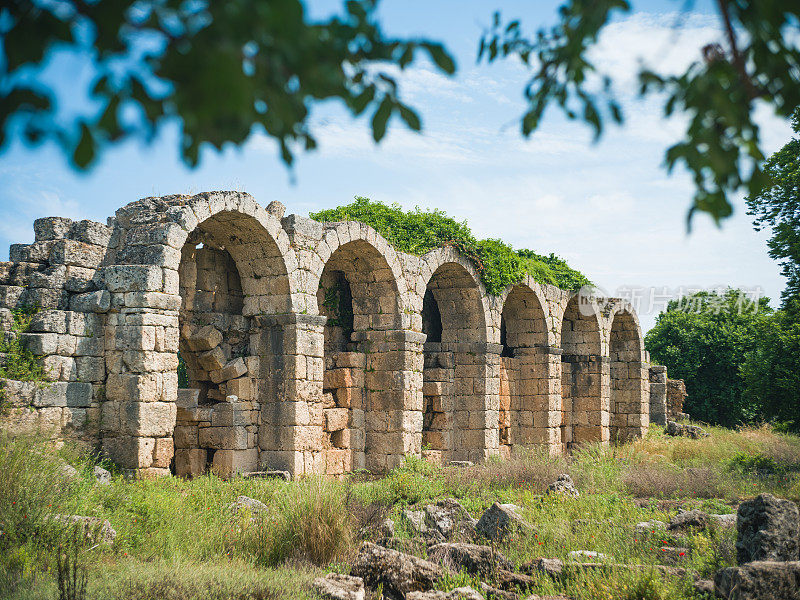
311	347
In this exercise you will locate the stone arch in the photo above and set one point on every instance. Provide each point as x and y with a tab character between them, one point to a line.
460	369
367	243
156	286
364	406
526	403
584	374
629	402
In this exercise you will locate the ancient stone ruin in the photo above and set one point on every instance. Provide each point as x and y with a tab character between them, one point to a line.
308	347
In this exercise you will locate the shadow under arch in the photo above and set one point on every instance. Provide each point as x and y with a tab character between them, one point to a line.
231	274
525	402
584	373
455	374
629	400
363	400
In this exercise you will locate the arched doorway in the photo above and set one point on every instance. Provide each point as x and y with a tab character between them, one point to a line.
454	367
629	397
584	376
524	418
363	400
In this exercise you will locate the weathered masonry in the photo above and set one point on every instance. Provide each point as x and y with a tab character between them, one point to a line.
310	347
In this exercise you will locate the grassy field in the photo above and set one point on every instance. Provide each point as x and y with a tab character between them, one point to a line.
177	539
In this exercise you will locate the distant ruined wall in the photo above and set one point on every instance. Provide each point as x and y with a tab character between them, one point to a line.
311	347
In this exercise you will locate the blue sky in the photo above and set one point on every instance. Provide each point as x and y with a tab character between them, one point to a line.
608	208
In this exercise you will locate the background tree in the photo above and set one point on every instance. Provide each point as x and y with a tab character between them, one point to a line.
771	371
223	68
704	339
777	206
719	92
220	68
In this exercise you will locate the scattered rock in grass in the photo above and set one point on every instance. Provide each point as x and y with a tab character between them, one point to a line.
768	529
462	463
563	485
498	521
684	430
285	475
418	525
476	560
102	476
96	530
244	502
689	519
462	593
441	521
728	520
549	566
68	472
704	586
450	519
415	545
650	526
335	586
508	580
399	573
775	580
386	528
493	593
576	554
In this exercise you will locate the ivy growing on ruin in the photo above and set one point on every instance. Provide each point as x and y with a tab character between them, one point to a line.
20	363
419	231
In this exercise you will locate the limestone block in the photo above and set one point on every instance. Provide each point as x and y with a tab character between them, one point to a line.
130	278
60	368
52	277
186	436
75	418
230	438
241	387
79	279
213	359
146	362
62	393
205	338
336	418
350	360
230	415
51	228
163	452
337	378
130	452
340	438
89	346
187	398
328	400
90	232
229	463
149	419
40	343
190	462
232	370
152	300
91	368
91	302
79	254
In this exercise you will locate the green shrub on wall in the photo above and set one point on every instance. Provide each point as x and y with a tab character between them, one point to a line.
418	231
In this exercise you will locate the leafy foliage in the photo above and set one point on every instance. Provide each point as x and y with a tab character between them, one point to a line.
777	206
704	341
419	231
20	363
771	371
219	68
719	92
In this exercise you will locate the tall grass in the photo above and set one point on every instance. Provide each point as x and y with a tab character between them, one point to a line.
308	521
